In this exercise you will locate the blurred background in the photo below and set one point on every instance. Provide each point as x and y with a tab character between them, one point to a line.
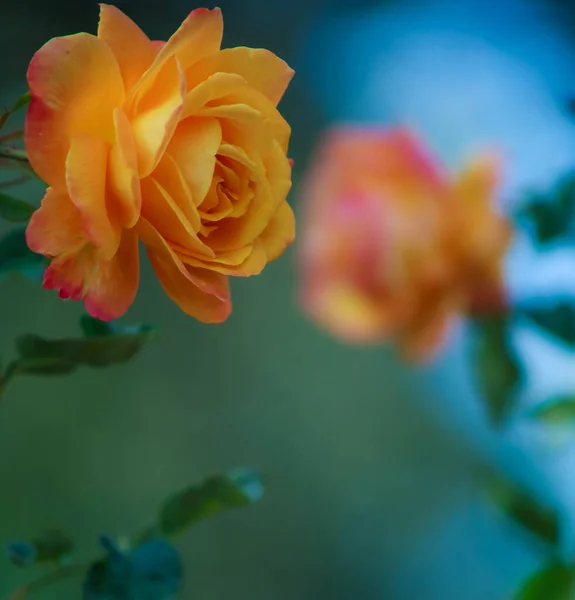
372	463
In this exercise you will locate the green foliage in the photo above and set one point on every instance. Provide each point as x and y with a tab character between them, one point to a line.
551	214
555	581
102	345
556	411
20	103
15	256
14	210
557	320
51	546
521	507
496	365
213	496
153	571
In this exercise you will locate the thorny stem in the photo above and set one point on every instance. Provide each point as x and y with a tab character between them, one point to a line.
64	572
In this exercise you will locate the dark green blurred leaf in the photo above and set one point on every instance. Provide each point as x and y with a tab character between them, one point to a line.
21	102
14	210
41	366
213	496
557	411
555	581
557	320
497	368
523	508
21	554
51	546
551	214
109	578
15	256
153	571
92	327
94	351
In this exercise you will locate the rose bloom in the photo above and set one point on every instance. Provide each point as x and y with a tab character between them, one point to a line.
177	144
394	248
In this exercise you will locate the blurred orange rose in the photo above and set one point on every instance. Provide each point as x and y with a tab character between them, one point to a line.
391	247
178	144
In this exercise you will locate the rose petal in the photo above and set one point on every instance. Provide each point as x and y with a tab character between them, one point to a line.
199	35
244	262
86	179
199	293
56	227
123	181
246	95
261	69
280	232
194	147
169	175
113	284
68	274
213	87
271	190
157	114
169	220
346	312
243	126
76	84
130	45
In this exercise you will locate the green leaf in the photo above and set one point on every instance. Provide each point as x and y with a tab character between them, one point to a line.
496	365
215	495
51	546
555	581
557	320
23	101
551	214
556	411
519	505
21	554
15	256
153	571
93	352
14	210
20	103
92	327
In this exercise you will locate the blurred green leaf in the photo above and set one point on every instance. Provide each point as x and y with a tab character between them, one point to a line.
20	103
496	365
23	101
92	327
554	581
14	210
557	320
153	571
556	411
15	256
102	351
523	508
51	546
213	496
21	554
551	214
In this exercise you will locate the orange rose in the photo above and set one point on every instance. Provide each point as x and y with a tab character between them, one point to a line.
178	144
391	247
